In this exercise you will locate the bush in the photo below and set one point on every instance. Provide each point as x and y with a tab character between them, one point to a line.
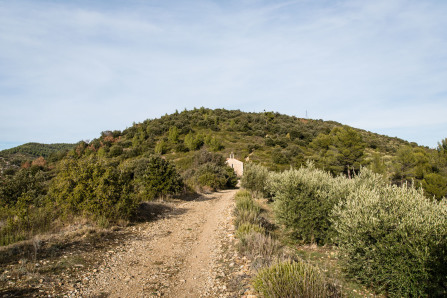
210	171
293	279
24	222
303	200
93	187
106	191
394	239
155	177
255	178
24	211
115	151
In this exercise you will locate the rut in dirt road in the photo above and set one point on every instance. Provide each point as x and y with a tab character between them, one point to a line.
177	256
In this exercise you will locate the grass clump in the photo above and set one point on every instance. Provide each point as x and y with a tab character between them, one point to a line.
293	279
247	211
248	228
246	216
261	248
247	204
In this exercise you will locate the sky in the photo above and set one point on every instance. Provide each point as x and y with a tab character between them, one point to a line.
71	69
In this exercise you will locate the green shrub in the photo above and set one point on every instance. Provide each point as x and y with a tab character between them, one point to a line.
22	223
254	179
435	186
293	279
303	200
94	187
107	191
155	177
208	170
394	239
24	210
115	150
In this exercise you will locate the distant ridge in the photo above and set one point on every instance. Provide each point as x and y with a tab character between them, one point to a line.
33	150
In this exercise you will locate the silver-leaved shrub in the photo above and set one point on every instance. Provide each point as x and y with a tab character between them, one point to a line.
393	239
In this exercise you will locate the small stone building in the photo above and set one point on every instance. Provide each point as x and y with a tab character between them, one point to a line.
237	165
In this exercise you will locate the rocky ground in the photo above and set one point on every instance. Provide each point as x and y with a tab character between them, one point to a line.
179	249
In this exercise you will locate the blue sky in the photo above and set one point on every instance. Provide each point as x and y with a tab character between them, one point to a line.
71	69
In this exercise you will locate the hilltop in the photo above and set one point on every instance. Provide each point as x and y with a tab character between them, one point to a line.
274	140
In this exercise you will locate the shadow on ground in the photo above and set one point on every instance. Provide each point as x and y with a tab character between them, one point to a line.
18	292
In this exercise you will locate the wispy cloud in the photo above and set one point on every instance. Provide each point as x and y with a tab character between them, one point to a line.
70	70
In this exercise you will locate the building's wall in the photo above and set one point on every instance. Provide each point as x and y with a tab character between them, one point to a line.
237	165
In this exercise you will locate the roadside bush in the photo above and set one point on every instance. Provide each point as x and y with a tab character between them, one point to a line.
254	241
303	200
394	239
155	177
22	223
293	279
210	171
108	191
94	187
246	211
254	179
24	211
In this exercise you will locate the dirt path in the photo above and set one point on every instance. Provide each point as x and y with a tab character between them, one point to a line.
179	255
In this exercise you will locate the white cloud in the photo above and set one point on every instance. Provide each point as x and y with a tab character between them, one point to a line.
80	68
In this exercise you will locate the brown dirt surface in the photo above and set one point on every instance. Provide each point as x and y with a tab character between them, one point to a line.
179	249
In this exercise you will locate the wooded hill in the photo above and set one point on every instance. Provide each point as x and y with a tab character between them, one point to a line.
15	157
275	140
106	178
278	142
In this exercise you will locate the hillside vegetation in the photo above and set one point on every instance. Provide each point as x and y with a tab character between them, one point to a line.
389	238
34	150
105	179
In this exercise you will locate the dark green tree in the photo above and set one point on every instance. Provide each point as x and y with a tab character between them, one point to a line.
435	185
173	135
156	177
340	151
